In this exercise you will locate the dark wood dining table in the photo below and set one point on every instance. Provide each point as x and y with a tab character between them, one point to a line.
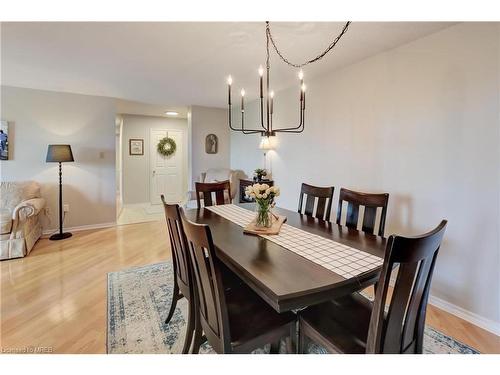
284	279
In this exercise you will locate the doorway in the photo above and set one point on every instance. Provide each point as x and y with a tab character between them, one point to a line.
144	173
166	171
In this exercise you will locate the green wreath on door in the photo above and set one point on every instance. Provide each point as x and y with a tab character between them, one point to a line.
166	146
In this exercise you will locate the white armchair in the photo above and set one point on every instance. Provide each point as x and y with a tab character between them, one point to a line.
20	206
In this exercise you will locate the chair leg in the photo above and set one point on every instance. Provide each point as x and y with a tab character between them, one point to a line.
291	341
175	298
198	333
275	347
189	330
301	340
197	341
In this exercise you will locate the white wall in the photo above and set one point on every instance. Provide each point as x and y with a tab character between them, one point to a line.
38	118
204	121
136	169
422	123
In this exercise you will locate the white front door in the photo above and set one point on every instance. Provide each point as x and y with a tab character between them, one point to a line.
166	171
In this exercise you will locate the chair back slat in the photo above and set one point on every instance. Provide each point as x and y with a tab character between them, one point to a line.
351	220
207	198
178	245
370	202
401	329
413	306
219	196
369	217
322	195
205	190
320	208
208	284
308	210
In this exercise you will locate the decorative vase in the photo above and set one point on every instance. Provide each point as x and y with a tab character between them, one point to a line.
264	217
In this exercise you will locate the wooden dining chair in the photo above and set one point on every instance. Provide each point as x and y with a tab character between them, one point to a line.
353	324
221	189
370	202
182	269
323	195
235	320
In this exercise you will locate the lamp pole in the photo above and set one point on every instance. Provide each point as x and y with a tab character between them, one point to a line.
60	201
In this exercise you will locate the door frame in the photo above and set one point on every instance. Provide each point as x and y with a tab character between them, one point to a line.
180	148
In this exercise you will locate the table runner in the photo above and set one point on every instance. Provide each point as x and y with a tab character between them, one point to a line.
341	259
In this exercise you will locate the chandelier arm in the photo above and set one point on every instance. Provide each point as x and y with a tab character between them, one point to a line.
242	130
295	129
318	57
301	123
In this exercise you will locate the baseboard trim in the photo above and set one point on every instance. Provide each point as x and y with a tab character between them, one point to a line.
48	232
478	320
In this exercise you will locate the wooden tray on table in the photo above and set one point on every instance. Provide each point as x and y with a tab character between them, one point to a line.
278	221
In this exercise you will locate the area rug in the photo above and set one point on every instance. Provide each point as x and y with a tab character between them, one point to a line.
138	303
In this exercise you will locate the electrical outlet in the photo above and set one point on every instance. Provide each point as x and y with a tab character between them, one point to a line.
66	208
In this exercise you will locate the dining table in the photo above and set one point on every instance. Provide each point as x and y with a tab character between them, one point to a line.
283	278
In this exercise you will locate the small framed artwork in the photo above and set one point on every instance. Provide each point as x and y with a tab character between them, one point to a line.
4	140
136	146
211	144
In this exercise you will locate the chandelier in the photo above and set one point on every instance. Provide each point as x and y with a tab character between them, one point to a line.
267	95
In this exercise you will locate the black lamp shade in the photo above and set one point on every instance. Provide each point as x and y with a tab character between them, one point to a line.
59	154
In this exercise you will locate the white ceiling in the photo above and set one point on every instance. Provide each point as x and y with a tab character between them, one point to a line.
181	63
130	107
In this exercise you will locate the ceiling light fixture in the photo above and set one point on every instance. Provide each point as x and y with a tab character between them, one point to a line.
266	111
171	113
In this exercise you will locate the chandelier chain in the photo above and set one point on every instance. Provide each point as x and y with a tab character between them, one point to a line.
319	57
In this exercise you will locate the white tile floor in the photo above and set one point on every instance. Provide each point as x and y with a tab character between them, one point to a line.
140	213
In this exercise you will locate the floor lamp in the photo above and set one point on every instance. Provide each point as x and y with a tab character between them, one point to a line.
60	154
266	145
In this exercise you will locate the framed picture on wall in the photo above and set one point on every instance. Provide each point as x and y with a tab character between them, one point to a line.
211	144
136	146
4	140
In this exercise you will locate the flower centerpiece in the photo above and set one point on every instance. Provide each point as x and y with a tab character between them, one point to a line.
264	196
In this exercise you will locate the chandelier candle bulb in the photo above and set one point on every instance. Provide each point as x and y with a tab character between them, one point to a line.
303	96
242	100
271	109
229	82
261	74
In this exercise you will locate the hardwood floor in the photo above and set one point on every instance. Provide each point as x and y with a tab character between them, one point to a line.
56	297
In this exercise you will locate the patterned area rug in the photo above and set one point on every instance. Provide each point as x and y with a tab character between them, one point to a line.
138	303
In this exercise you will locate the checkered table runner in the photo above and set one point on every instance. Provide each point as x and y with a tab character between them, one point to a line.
341	259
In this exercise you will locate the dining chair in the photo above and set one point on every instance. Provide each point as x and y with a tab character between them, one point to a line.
371	202
221	189
183	286
354	324
233	320
323	195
